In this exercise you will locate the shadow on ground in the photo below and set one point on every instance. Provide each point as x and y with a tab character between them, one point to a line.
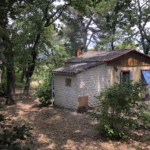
55	128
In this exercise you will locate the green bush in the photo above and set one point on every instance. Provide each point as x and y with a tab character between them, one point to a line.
44	91
121	108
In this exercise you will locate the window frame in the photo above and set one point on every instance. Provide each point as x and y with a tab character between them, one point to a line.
68	80
143	84
121	75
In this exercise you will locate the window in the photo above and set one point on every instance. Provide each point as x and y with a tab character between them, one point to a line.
125	76
145	77
68	82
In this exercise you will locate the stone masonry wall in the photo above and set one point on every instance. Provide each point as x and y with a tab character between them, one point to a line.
65	96
92	81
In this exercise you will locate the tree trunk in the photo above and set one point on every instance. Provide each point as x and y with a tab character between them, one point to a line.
31	65
112	40
10	85
3	72
85	41
141	29
112	45
23	74
27	85
10	71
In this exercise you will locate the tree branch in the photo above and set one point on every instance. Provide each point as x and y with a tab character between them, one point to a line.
145	3
59	12
81	25
145	22
88	23
90	39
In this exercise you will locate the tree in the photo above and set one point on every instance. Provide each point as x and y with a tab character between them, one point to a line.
113	23
86	23
8	9
55	56
140	18
126	45
8	61
134	17
49	13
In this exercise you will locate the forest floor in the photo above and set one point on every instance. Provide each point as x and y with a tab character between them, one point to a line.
36	83
59	129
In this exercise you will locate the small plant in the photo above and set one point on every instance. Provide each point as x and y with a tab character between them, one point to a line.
44	91
121	107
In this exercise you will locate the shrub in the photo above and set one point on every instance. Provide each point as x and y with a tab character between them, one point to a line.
121	107
10	135
44	91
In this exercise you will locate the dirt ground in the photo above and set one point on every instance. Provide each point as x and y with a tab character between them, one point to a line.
36	82
59	129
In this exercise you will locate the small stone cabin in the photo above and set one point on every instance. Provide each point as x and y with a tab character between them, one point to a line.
83	77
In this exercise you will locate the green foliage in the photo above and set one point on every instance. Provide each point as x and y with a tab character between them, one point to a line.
38	74
125	45
3	88
121	107
11	134
44	91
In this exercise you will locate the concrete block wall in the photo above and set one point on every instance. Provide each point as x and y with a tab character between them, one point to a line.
65	96
92	81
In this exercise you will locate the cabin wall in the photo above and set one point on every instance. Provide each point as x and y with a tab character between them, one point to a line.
91	82
65	96
136	72
130	59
